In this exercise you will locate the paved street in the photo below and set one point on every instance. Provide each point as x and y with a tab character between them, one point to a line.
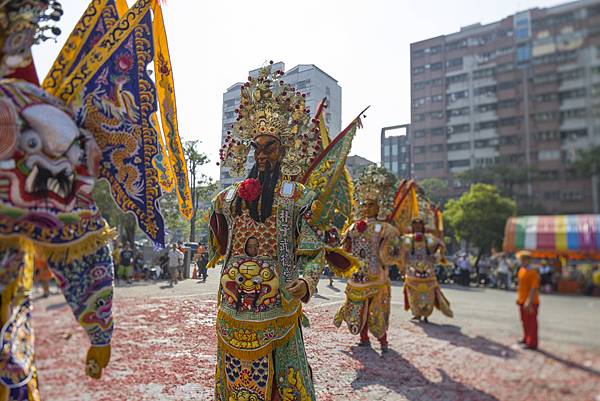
164	349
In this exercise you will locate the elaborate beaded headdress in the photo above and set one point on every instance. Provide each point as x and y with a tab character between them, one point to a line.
377	184
23	23
269	106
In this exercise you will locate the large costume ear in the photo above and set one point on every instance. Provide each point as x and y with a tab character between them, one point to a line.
9	130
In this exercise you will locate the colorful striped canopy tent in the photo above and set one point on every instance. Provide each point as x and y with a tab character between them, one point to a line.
572	236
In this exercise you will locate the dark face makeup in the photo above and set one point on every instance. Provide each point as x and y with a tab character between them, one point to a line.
267	151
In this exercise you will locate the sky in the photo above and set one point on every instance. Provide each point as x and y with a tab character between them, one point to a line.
365	45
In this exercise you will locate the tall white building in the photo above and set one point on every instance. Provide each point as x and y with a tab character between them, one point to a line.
306	78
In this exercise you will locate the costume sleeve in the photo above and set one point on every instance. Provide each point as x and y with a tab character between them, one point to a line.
218	235
391	246
87	284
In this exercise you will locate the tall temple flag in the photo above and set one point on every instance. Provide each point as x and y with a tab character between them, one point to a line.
328	171
114	97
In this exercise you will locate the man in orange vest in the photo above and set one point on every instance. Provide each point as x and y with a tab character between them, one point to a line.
528	299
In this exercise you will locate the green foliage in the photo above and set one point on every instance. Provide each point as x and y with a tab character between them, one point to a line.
504	177
588	162
436	190
479	216
125	223
175	223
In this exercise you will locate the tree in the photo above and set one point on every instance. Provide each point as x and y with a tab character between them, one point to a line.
200	185
505	177
587	165
479	216
125	223
436	190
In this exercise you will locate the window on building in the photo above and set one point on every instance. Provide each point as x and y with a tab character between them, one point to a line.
457	78
505	67
459	163
418	53
394	166
437	115
419	133
595	90
571	74
547	136
418	102
487	143
419	150
572	94
573	114
327	91
420	85
419	70
507	104
420	166
437	165
457	44
436	148
544	155
552	196
418	117
545	116
545	78
509	140
394	150
486	125
436	66
229	114
462	111
504	85
455	96
230	103
437	98
303	84
489	90
437	131
546	97
484	73
522	33
459	146
573	135
436	81
545	175
435	49
482	108
523	53
458	129
508	121
454	63
571	196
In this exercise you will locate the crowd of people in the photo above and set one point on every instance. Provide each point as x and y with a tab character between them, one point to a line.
131	264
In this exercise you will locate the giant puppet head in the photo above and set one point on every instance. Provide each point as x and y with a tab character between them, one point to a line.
47	163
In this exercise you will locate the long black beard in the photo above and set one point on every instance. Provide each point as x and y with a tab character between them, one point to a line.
268	180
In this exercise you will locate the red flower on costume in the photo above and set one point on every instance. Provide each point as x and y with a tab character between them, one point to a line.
124	62
250	189
361	226
419	237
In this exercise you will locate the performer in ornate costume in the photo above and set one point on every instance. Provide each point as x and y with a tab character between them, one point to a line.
374	243
421	250
51	152
261	230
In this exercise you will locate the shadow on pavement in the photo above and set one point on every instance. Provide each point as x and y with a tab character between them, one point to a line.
569	364
164	287
317	295
57	306
456	337
398	375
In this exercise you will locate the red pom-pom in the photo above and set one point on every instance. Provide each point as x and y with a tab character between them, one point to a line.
419	237
361	226
250	189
